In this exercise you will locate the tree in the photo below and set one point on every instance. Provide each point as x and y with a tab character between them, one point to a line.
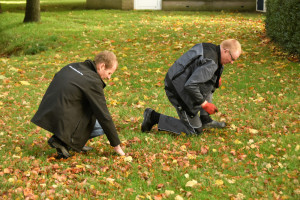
0	8
32	12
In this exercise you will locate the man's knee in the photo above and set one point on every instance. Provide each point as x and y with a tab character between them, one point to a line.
193	131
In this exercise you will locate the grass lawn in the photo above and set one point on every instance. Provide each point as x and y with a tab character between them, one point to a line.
255	157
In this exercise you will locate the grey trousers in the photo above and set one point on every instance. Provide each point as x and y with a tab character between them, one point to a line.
185	123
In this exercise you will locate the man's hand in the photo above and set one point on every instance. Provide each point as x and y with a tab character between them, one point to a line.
209	107
220	82
119	150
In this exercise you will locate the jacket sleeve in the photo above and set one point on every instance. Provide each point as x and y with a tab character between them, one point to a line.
199	76
96	98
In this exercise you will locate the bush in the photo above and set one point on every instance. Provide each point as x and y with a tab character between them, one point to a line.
283	24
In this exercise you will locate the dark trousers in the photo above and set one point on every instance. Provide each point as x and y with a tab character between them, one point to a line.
185	123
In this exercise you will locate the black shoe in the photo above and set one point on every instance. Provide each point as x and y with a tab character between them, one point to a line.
60	148
86	148
60	155
214	124
147	123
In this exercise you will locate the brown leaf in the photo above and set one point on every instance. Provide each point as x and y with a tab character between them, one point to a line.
28	192
159	186
166	168
6	171
204	150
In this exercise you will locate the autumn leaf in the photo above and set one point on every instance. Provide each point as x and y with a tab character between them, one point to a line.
166	168
191	183
169	192
219	182
7	171
128	159
24	82
204	150
2	77
237	142
253	131
28	192
160	186
178	197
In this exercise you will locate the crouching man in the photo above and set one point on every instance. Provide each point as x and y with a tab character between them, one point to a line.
74	107
189	85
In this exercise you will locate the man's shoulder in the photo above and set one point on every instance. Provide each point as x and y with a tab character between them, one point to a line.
210	51
209	46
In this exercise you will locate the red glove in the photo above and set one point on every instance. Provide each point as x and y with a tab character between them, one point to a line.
210	108
220	83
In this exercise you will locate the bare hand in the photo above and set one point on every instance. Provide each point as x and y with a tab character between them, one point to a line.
119	150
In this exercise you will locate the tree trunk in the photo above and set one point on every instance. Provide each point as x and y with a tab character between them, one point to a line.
0	8
32	13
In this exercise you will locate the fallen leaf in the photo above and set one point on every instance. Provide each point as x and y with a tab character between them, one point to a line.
161	185
24	82
169	192
237	142
191	183
219	182
233	127
178	197
166	168
128	159
110	180
240	196
253	131
28	192
18	149
204	150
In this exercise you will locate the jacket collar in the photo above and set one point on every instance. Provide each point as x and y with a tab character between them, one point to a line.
218	48
92	65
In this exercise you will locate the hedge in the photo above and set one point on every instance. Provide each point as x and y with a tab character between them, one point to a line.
283	23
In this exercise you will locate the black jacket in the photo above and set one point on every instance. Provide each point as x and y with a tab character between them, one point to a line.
193	76
72	103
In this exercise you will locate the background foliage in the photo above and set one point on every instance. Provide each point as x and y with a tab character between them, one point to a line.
283	23
255	157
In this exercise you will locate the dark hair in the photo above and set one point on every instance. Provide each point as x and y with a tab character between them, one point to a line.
106	57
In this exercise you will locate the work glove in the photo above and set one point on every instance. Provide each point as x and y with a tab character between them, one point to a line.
210	108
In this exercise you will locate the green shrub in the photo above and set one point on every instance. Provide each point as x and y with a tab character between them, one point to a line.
283	23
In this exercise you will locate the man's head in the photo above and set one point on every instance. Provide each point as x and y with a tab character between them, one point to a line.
230	51
106	64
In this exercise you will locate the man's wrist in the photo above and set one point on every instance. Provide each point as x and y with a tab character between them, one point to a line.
205	102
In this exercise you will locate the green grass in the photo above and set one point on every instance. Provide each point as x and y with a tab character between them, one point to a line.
255	157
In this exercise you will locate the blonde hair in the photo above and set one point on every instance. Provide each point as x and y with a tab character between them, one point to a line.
232	45
106	57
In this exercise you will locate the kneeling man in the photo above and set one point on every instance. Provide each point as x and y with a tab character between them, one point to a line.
74	107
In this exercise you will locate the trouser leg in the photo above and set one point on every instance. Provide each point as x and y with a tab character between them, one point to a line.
97	131
171	124
204	116
185	124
